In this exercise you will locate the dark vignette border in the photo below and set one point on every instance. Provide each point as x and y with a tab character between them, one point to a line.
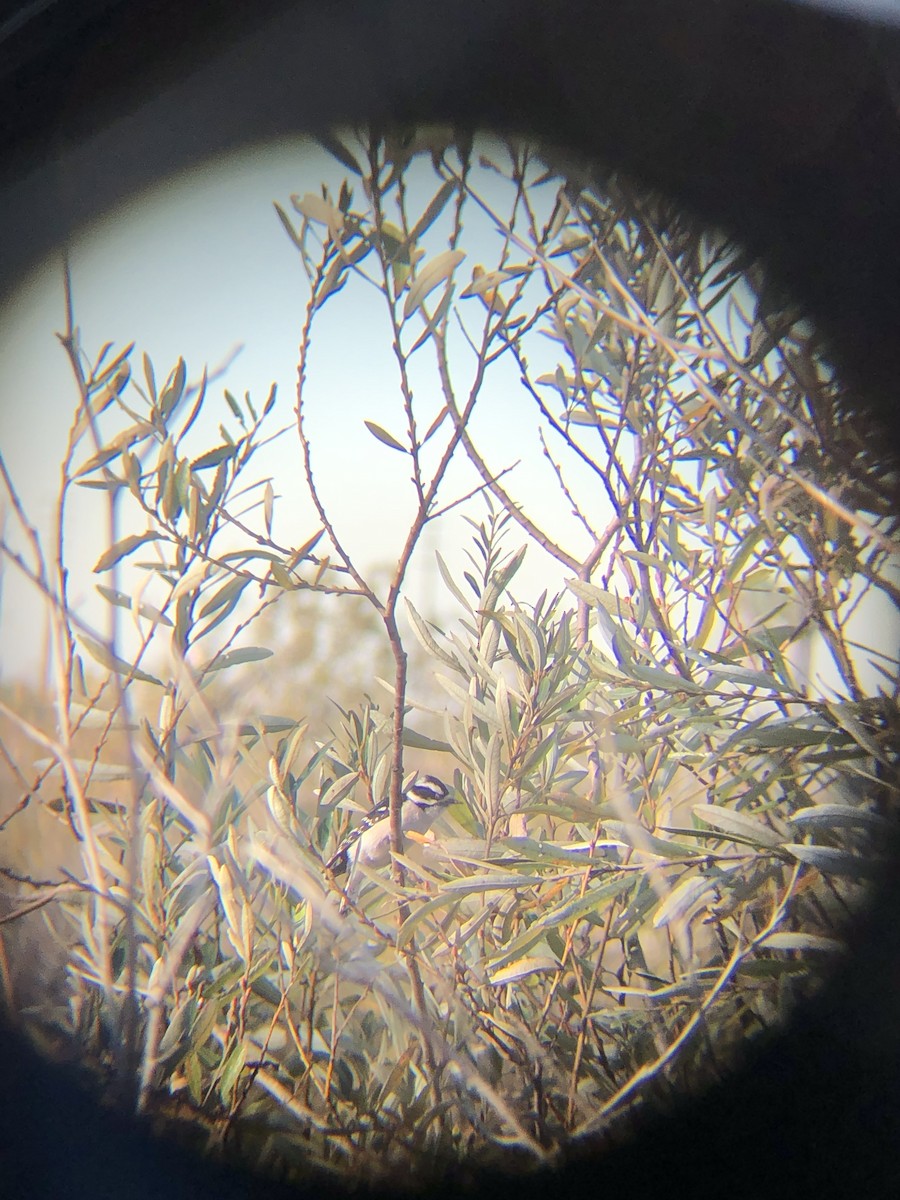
779	122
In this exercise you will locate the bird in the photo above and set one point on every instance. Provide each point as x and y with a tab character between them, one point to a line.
368	844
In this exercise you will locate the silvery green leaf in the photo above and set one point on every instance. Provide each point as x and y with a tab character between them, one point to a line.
831	861
683	898
800	941
838	816
739	824
525	966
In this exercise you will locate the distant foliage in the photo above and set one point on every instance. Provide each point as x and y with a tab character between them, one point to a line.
674	777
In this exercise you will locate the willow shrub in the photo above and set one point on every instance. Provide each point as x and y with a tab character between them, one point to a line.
664	814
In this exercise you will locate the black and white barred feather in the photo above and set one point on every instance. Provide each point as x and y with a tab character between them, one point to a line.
368	844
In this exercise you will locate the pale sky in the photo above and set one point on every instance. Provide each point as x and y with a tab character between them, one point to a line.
197	267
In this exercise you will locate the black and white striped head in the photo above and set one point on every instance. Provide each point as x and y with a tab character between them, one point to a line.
428	792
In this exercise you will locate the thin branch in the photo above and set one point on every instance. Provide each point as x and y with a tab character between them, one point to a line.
652	1070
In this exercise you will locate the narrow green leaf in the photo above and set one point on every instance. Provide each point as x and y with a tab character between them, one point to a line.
477	707
100	459
283	577
436	424
338	150
112	368
502	579
537	755
635	835
174	1045
288	227
561	914
124	600
667	680
630	920
355	255
140	431
831	861
504	710
492	772
422	912
268	507
786	735
428	642
839	816
400	273
99	772
234	1064
433	211
745	827
213	458
857	731
451	583
590	593
495	881
194	1071
335	278
489	281
432	323
682	899
772	968
174	389
394	245
227	595
744	551
112	662
207	1017
418	741
527	965
233	658
122	548
150	377
110	484
648	560
306	548
269	723
317	208
198	404
744	677
383	436
429	277
688	984
710	512
801	941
